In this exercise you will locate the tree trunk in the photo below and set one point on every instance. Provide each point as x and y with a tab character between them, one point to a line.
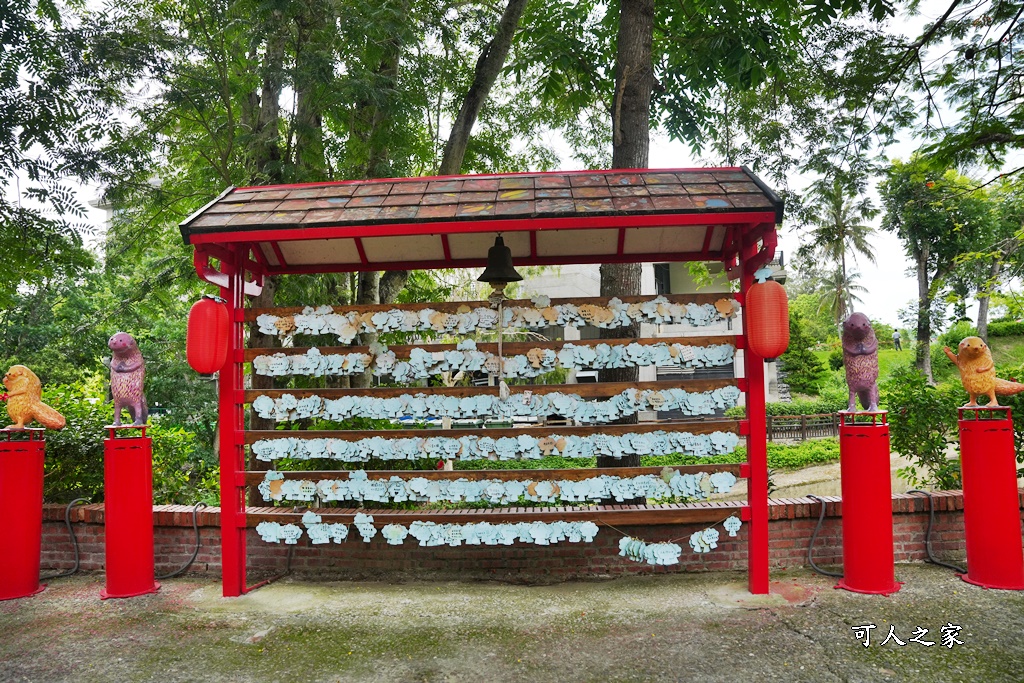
391	283
983	300
266	132
368	294
488	66
631	142
313	25
258	340
924	320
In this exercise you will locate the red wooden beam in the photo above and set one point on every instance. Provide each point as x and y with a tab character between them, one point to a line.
295	233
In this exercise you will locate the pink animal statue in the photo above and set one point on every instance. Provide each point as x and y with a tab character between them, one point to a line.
860	356
127	373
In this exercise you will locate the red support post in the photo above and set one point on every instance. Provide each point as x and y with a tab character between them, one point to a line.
757	456
992	527
128	514
868	556
21	489
232	503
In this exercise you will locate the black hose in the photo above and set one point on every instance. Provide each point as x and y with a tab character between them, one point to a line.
814	537
195	553
928	535
74	542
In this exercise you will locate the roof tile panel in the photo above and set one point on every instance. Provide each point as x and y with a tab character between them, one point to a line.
481	185
594	205
359	202
741	188
695	177
404	200
750	201
524	208
476	209
338	191
555	206
554	193
360	214
409	188
660	178
263	195
625	179
516	183
711	202
397	212
440	198
444	186
588	180
666	190
738	176
286	217
704	189
306	193
674	202
630	191
325	216
467	197
213	220
590	192
255	218
515	195
436	211
373	189
551	181
632	203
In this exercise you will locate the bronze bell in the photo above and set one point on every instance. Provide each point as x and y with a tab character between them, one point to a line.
499	265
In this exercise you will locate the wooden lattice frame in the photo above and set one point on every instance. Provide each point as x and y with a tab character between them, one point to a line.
241	264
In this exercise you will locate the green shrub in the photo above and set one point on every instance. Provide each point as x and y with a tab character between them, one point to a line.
803	454
802	367
74	455
835	359
956	333
922	425
1006	329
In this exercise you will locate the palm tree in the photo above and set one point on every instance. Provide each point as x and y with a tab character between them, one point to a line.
839	227
838	292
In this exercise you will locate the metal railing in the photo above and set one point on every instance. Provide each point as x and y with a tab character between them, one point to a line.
802	427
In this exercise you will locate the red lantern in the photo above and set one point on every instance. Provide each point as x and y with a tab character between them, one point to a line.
767	311
209	325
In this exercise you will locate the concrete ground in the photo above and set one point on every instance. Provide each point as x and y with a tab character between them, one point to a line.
700	627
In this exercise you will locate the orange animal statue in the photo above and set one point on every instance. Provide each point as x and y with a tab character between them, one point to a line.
24	400
978	372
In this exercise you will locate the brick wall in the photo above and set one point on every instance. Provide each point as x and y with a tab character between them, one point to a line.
792	521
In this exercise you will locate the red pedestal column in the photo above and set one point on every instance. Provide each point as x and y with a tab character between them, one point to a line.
21	490
128	515
992	528
868	559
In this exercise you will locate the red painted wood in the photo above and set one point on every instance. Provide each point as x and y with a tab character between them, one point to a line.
757	456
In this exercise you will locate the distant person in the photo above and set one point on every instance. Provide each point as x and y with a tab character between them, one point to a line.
896	340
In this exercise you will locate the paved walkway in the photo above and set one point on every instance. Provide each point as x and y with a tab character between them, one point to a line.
700	627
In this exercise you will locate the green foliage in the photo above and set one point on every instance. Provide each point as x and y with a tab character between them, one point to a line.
74	455
883	333
816	320
795	407
803	454
803	368
835	359
923	426
956	333
1006	329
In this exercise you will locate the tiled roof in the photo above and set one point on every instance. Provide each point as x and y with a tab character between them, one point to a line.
485	197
